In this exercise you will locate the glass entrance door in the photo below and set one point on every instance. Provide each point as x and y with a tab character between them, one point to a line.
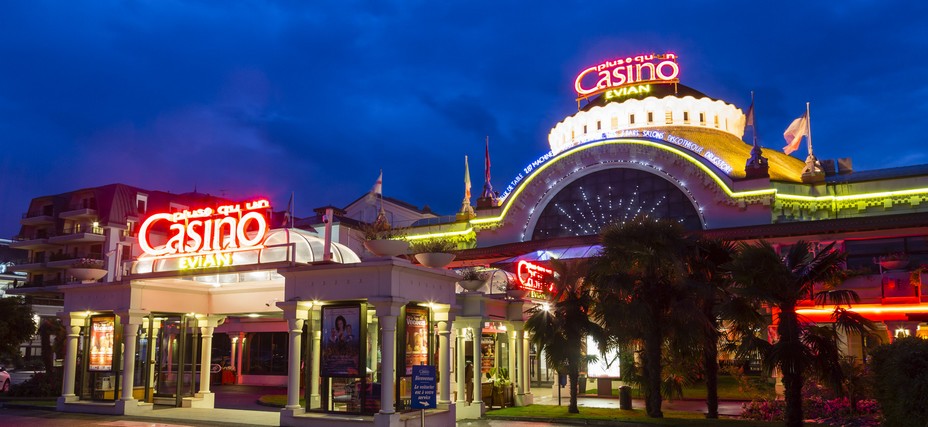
176	359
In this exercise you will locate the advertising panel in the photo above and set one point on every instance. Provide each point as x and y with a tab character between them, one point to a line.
487	352
102	329
341	345
417	337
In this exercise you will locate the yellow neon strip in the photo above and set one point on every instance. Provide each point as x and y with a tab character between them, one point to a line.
440	235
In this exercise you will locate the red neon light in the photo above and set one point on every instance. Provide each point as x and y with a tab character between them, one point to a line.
208	230
534	277
622	72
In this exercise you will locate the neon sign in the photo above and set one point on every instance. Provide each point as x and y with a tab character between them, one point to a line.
534	277
617	73
208	236
626	92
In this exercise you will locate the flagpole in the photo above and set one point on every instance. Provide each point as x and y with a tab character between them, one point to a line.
381	190
809	127
291	209
754	118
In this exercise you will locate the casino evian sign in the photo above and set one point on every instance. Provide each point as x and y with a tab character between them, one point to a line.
633	70
206	237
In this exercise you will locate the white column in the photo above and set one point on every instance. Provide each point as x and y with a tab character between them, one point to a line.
478	375
315	398
293	371
206	356
519	377
444	363
130	332
526	363
241	355
511	356
234	347
461	380
388	368
70	364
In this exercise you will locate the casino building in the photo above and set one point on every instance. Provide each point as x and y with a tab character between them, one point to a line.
182	284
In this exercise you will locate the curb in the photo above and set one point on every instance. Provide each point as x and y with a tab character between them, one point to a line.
578	421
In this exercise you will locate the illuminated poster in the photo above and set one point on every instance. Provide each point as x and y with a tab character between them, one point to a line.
101	343
606	365
487	352
341	346
417	337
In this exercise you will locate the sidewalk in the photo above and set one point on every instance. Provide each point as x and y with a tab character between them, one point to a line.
726	407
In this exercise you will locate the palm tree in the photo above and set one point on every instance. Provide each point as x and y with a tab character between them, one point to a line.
641	293
781	283
560	327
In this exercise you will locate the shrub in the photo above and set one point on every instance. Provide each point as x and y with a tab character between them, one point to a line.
763	410
40	385
901	375
432	246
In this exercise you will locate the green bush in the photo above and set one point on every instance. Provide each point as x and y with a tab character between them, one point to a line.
901	372
40	385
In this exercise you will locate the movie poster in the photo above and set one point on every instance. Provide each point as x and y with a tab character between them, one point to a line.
101	343
341	345
487	352
417	337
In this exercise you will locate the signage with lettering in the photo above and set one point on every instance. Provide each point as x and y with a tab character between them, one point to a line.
423	387
205	237
534	277
632	70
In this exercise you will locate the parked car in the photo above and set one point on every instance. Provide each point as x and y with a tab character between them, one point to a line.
4	380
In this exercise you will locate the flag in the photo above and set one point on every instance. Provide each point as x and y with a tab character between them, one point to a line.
749	117
288	216
378	186
794	133
466	180
486	165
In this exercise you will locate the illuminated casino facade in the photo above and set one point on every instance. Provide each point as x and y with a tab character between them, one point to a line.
235	281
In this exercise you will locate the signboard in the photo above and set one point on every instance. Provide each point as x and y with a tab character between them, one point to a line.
206	237
423	387
534	277
417	337
102	329
487	352
341	348
606	366
621	72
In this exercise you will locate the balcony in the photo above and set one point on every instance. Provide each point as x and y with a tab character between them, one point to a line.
80	234
63	261
79	214
37	218
32	242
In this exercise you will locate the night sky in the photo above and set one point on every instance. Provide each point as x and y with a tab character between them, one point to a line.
315	97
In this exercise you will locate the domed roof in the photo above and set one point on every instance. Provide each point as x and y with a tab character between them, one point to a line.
655	90
306	248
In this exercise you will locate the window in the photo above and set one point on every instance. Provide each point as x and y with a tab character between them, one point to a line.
584	129
668	117
716	121
615	123
631	119
650	117
686	117
267	354
702	119
599	125
141	203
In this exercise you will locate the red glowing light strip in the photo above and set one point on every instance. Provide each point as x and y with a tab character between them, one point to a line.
534	276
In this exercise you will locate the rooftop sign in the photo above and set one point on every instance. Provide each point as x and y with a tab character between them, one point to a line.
207	236
621	72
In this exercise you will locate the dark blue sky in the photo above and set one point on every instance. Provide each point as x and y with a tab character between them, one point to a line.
264	98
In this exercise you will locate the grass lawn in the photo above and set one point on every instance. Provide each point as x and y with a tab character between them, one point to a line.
671	418
277	400
32	401
728	389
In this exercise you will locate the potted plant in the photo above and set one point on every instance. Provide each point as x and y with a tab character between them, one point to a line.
894	261
383	240
471	279
502	387
515	291
434	252
87	270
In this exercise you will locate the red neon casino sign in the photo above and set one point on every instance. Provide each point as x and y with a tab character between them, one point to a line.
533	277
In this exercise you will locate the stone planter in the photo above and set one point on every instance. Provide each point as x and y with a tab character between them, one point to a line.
894	264
87	275
434	259
471	285
387	248
516	293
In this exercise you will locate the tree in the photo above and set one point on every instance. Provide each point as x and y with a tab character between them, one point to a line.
641	293
901	376
560	327
802	348
16	326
